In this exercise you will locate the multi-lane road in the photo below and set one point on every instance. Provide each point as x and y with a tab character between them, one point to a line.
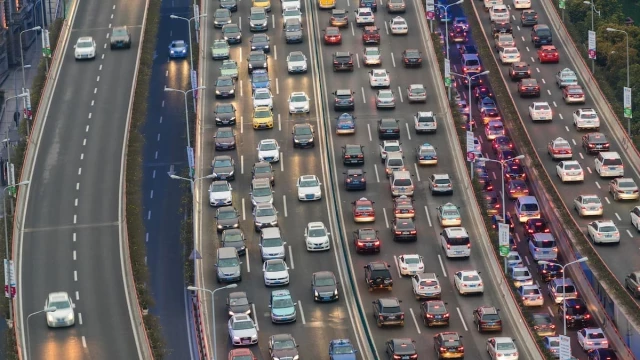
71	240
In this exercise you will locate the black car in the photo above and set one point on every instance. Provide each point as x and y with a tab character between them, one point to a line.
225	87
353	154
303	136
378	276
411	58
355	180
468	49
342	60
549	271
404	230
225	139
120	38
366	240
238	303
448	345
541	35
602	354
388	129
324	286
501	143
221	17
260	42
536	226
528	87
519	70
491	202
528	18
387	311
234	238
482	92
343	99
595	142
372	4
577	315
434	313
501	27
232	33
403	207
475	80
514	171
283	346
257	60
227	218
232	5
263	170
225	114
401	349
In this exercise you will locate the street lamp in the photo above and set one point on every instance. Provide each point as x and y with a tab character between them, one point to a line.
564	308
47	310
22	53
628	83
593	9
446	27
502	163
186	108
188	20
469	99
213	311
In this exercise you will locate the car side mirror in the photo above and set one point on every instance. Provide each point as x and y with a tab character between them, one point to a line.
388	265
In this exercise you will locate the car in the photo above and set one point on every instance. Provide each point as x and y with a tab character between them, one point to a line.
229	68
371	56
263	170
260	80
602	354
566	77
385	98
504	40
366	240
482	92
332	35
260	42
486	103
548	53
276	272
403	207
514	259
549	270
221	17
412	58
595	142
473	79
224	139
519	70
266	4
291	12
342	349
225	87
448	345
309	188
603	231
268	150
401	349
396	6
345	124
257	59
85	48
542	246
592	338
370	35
410	264
468	282
227	218
283	307
463	106
487	318
528	18
573	94
371	4
499	13
491	203
426	155
387	311
342	60
488	115
425	122
262	118
398	24
262	97
498	27
570	170
379	78
264	215
298	102
388	129
296	4
468	49
355	179
63	313
561	288
540	111
586	118
427	286
531	295
536	226
238	303
457	34
528	87
261	192
343	99
440	184
232	33
390	147
303	135
316	237
220	194
378	276
623	189
234	238
493	129
543	324
339	18
501	143
552	344
296	62
232	5
449	215
559	148
541	35
283	346
120	38
497	219
462	22
271	244
588	205
394	162
365	16
502	348
635	219
575	312
242	330
363	210
416	93
353	154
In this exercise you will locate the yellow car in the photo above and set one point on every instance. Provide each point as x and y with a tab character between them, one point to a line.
262	118
266	4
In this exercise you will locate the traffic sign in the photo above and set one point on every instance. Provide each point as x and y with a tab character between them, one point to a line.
503	238
447	72
561	5
627	103
565	347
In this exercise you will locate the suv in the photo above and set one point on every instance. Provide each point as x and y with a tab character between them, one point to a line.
541	35
577	314
387	312
486	318
258	20
371	35
292	31
342	60
378	276
425	121
343	98
448	345
559	290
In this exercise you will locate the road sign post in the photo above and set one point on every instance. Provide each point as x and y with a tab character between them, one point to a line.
565	348
627	103
447	72
470	154
503	241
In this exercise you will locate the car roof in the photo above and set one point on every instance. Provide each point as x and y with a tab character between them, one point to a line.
280	293
281	337
242	317
59	296
308	177
389	301
487	309
400	342
343	92
377	265
268	141
237	295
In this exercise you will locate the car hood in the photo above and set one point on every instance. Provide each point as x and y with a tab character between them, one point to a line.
225	116
309	190
225	88
220	195
245	333
230	34
275	274
297	63
88	50
222	20
284	311
293	33
60	314
320	239
257	62
221	50
268	153
223	169
284	353
229	270
259	44
299	104
325	289
178	49
228	221
344	357
273	250
263	199
225	141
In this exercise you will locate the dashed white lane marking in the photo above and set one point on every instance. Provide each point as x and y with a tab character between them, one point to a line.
93	102
79	171
561	117
426	210
80	318
156	154
75	275
369	130
407	125
393	59
255	318
413	316
82	156
444	272
279	123
598	185
84	342
281	162
158	139
151	195
98	79
241	164
246	258
100	68
291	265
629	232
395	261
160	119
87	128
462	319
90	114
154	174
149	215
77	186
364	97
607	200
550	311
74	255
275	52
386	219
75	219
244	214
162	103
301	313
284	202
76	202
618	216
241	124
375	168
84	142
526	258
401	98
277	87
74	237
358	60
95	90
77	295
146	237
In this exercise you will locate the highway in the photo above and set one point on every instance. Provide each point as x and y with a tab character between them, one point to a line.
71	239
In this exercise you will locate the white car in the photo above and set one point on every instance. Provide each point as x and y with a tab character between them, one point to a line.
263	97
520	276
502	348
379	78
588	205
468	282
390	147
290	4
364	16
499	13
540	111
410	264
509	55
298	103
276	272
635	217
85	48
531	295
425	121
371	56
63	315
291	12
592	338
220	194
242	330
522	4
398	26
268	150
603	231
316	237
426	286
514	259
586	118
309	188
569	170
296	62
427	155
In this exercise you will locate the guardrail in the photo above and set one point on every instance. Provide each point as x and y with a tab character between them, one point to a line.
198	325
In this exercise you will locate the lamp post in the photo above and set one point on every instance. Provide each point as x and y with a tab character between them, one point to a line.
593	9
469	99
47	310
564	308
188	20
446	26
213	311
628	82
22	52
502	164
186	109
24	94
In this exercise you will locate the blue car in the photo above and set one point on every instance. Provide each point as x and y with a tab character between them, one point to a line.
260	80
355	180
372	4
178	49
341	349
283	308
486	103
346	124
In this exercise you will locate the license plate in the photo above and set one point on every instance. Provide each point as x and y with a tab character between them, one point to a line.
246	341
608	235
458	252
369	245
628	192
472	286
389	131
276	281
391	318
612	168
405	233
599	147
326	298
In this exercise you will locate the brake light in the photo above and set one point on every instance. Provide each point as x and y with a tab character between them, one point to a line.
350	62
360	156
448	247
398	232
413	232
468	246
380	317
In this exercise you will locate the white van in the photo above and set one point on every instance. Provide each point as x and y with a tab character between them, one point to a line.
527	208
401	183
609	164
455	242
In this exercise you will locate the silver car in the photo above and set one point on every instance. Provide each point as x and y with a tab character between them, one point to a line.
385	99
623	189
371	56
265	215
61	306
416	93
588	205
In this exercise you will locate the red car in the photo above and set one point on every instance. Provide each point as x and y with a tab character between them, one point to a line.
458	34
535	226
363	210
366	240
370	35
548	53
332	36
241	354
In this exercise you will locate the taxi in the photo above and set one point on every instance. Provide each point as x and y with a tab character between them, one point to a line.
363	210
341	349
262	118
559	148
449	215
266	4
566	77
426	155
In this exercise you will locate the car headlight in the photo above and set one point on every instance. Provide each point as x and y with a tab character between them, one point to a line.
219	226
217	118
232	118
184	51
217	92
335	292
231	91
238	37
50	317
315	293
250	66
296	357
253	47
69	317
265	64
318	193
274	222
296	140
235	338
229	199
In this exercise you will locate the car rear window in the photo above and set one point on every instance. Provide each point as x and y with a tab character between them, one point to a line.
545	244
458	241
530	207
402	182
612	162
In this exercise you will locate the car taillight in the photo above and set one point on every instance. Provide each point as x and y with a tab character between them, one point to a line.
335	62
413	232
377	242
398	232
414	356
412	211
468	246
448	247
402	316
350	62
360	156
397	357
587	316
380	317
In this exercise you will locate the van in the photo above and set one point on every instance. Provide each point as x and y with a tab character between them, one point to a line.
527	208
394	162
261	192
228	265
271	244
609	164
471	63
542	246
455	242
488	4
558	287
401	183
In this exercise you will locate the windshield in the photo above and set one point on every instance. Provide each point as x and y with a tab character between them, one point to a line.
268	146
263	114
266	212
219	188
303	131
283	344
261	78
317	232
296	57
340	350
392	148
264	191
262	169
412	260
395	162
256	57
272	242
225	134
238	301
228	65
262	95
224	82
233	238
86	44
325	281
222	163
222	263
298	98
292	12
226	215
243	325
222	13
372	52
258	16
60	305
308	183
231	29
293	27
505	346
282	303
278	266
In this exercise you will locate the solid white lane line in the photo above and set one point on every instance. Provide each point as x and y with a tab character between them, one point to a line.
304	322
246	257
393	59
369	130
375	168
364	97
413	316
291	265
407	126
386	219
284	202
244	217
241	164
462	319
395	261
241	124
281	161
401	98
255	317
80	318
415	165
75	275
426	210
279	123
444	272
